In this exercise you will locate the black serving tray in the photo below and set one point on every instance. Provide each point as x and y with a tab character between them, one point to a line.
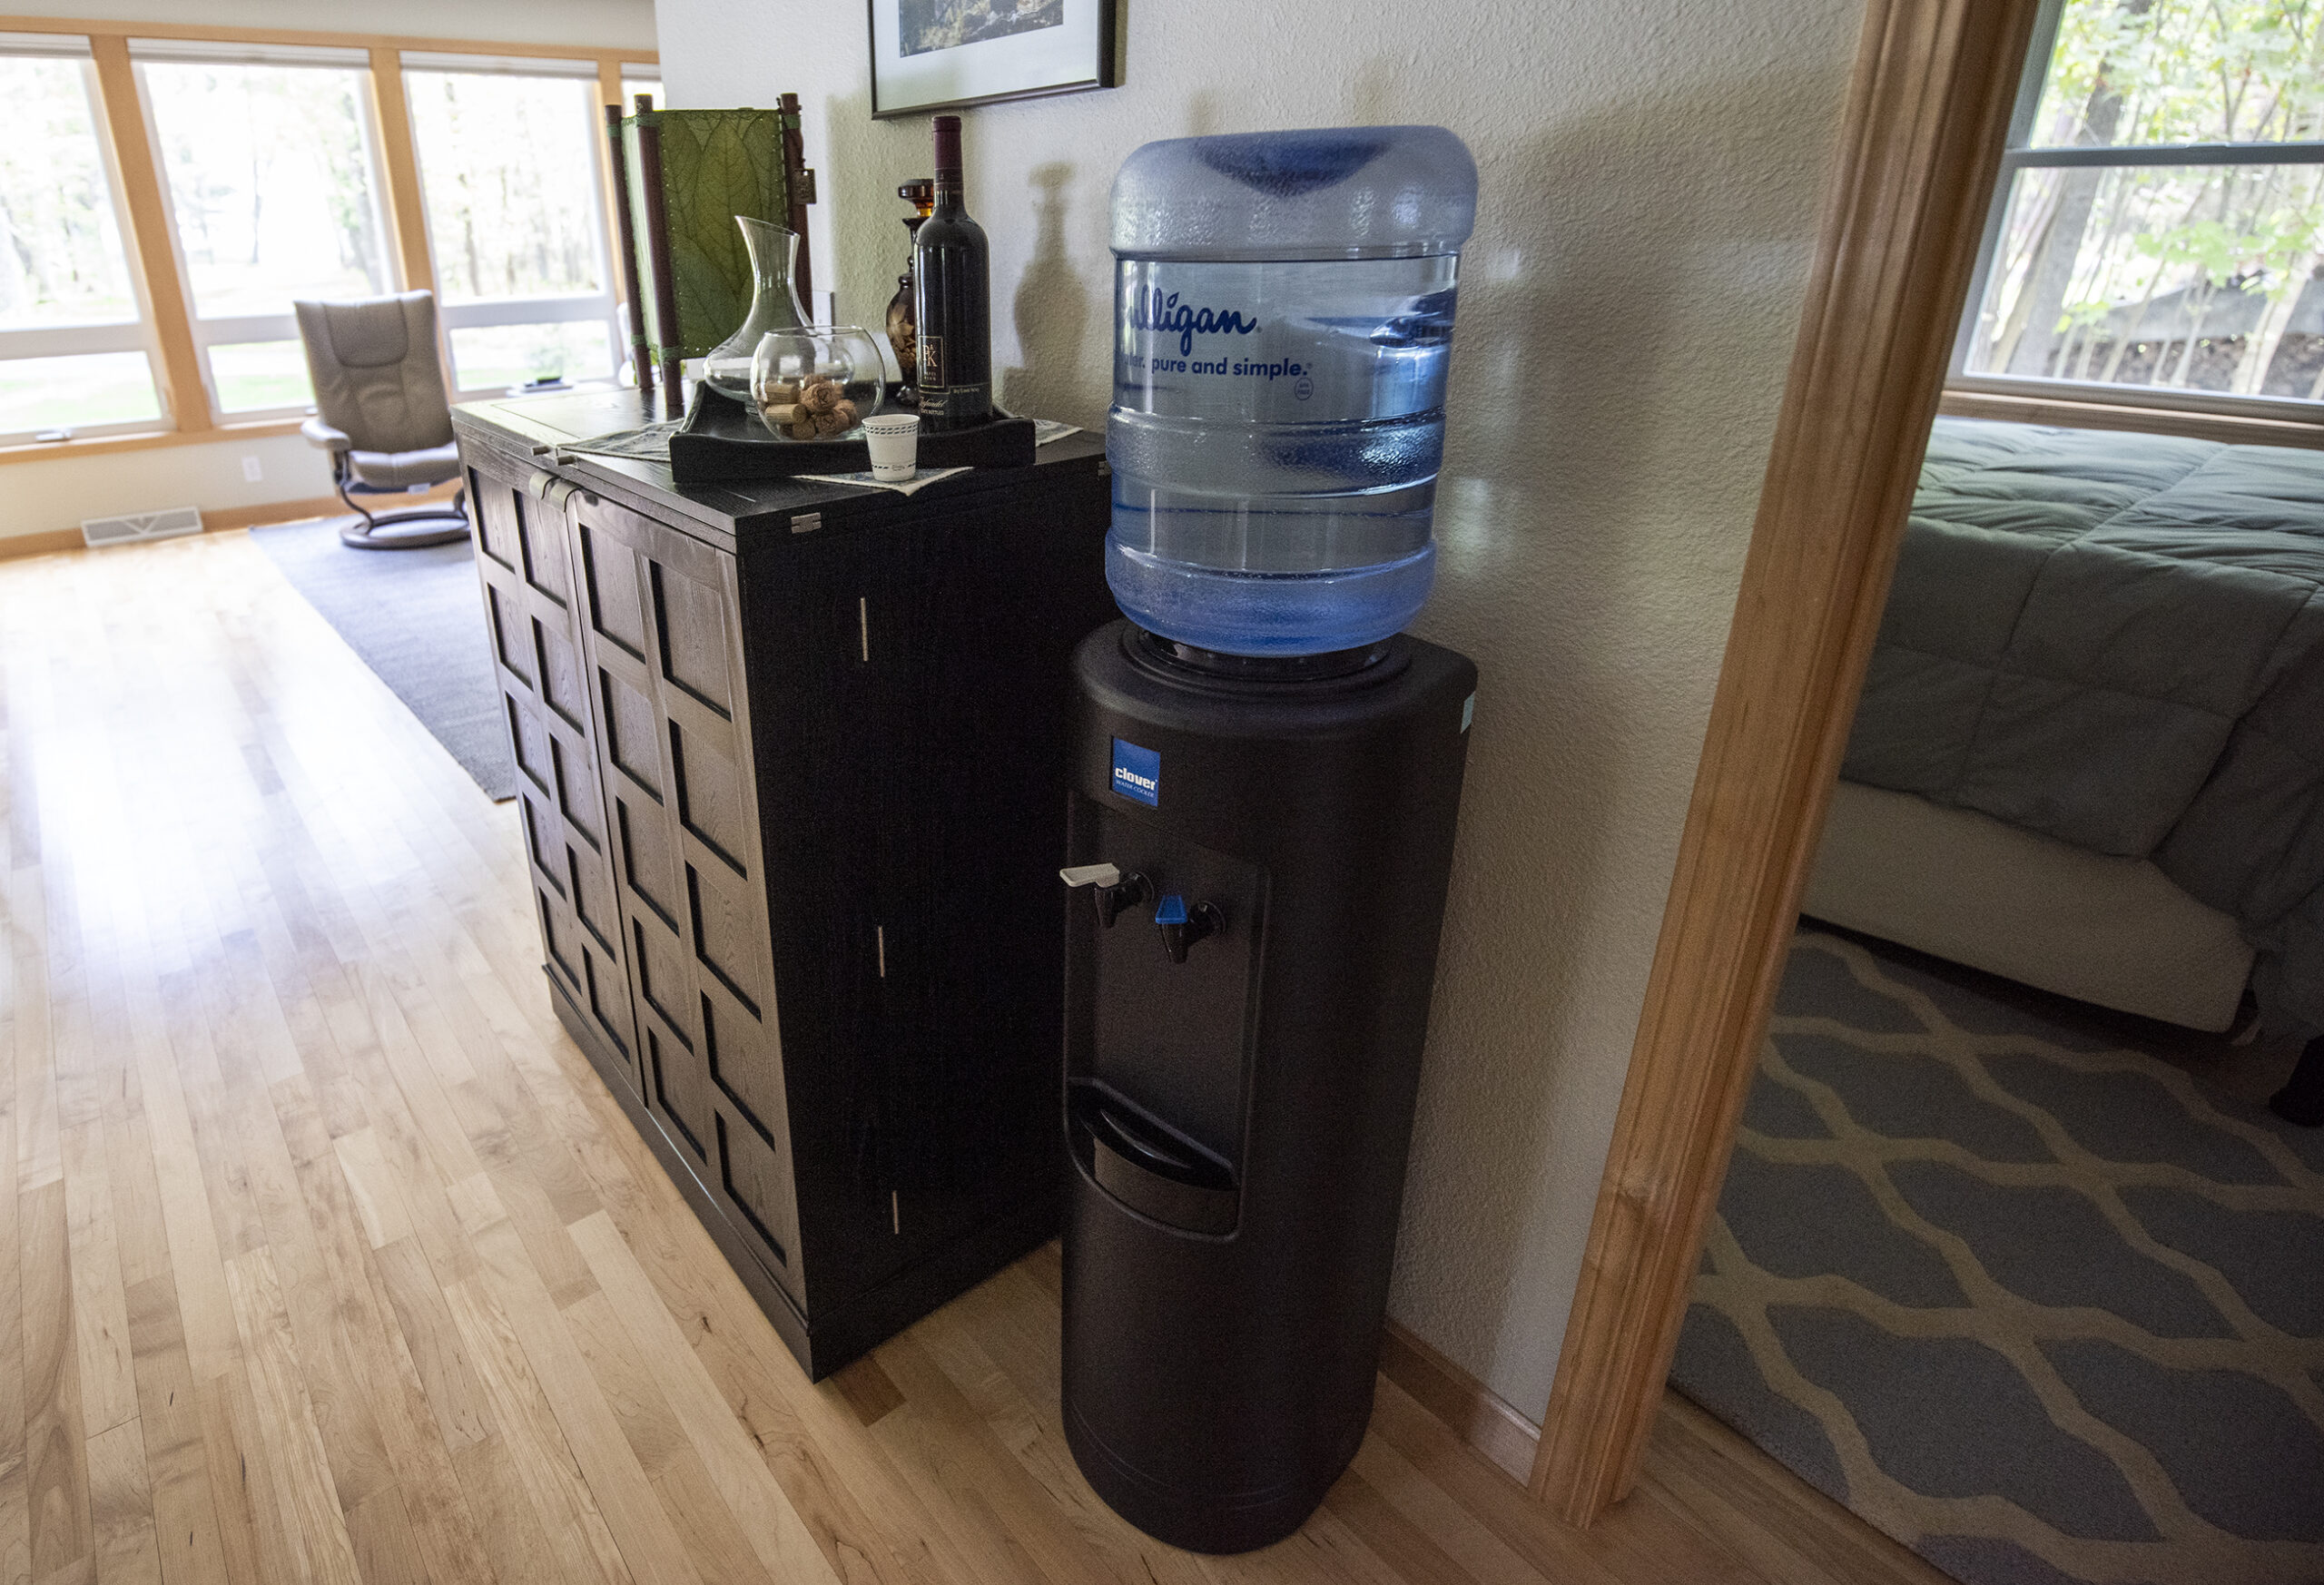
722	442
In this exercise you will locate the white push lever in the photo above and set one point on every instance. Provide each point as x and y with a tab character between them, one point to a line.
1114	890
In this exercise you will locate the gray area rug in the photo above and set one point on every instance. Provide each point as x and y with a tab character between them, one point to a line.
2041	1306
417	619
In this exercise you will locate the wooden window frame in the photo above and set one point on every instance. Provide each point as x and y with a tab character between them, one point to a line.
238	329
1928	105
149	238
2087	404
133	334
601	307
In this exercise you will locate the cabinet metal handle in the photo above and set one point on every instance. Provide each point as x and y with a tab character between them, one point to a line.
555	492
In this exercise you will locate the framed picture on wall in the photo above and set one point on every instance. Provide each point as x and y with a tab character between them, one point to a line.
940	54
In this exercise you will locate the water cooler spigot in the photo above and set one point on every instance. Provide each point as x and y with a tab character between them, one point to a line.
1182	927
1114	889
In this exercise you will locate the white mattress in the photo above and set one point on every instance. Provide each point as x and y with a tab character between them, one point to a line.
1966	887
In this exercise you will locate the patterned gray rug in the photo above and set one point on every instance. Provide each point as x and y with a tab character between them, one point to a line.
415	617
2042	1306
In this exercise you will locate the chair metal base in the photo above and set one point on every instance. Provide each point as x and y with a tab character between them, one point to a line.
404	530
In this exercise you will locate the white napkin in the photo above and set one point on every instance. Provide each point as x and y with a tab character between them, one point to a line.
902	487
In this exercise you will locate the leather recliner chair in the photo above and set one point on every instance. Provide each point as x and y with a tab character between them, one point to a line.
382	414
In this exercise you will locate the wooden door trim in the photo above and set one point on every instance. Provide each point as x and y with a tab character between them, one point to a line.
1927	107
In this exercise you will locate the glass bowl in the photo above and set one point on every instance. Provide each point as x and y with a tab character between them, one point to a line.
816	382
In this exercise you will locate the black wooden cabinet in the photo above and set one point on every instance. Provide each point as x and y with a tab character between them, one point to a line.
523	561
792	784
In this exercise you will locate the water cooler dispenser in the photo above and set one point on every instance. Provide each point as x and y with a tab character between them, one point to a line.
1266	779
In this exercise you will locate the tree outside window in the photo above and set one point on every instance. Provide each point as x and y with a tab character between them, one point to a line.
72	352
274	199
2165	214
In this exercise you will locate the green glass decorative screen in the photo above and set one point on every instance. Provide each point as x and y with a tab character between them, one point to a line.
715	165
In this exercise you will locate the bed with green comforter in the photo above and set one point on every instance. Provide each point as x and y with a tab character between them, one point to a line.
2117	640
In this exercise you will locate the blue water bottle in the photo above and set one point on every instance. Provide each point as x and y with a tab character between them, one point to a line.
1283	325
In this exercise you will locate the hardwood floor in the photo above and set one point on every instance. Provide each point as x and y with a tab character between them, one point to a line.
331	1258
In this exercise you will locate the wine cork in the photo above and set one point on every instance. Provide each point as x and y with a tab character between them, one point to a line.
819	396
782	415
776	392
830	423
804	429
846	411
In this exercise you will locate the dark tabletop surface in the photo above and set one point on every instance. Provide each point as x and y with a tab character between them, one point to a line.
537	426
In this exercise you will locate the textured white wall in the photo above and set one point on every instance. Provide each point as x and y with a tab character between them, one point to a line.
1650	172
51	494
57	492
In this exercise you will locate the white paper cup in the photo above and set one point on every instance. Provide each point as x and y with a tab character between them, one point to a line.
893	439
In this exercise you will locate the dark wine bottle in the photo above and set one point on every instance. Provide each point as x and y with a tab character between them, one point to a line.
953	300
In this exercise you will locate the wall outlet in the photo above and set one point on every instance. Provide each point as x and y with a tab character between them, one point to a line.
252	471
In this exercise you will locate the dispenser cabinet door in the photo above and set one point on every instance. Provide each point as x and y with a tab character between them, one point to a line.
1162	1003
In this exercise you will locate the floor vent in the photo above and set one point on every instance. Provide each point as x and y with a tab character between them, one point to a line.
163	525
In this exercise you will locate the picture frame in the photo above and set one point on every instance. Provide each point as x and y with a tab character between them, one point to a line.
945	54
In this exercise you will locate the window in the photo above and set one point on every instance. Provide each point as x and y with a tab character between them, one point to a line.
74	353
270	160
275	185
2160	225
511	171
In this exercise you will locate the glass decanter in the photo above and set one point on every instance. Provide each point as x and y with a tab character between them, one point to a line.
816	382
775	306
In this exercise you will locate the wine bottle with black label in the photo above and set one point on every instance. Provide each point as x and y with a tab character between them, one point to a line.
953	300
